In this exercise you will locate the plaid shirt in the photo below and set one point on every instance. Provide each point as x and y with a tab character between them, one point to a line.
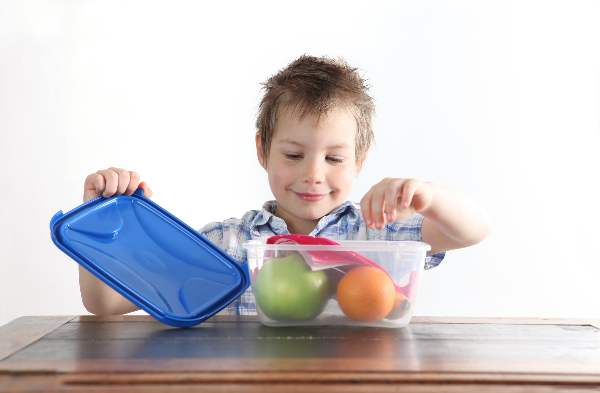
343	223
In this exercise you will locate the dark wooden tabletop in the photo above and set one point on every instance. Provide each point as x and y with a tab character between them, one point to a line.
139	354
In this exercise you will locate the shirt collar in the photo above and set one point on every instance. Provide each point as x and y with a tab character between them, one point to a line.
279	226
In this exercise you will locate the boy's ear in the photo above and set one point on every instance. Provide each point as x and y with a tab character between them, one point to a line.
259	151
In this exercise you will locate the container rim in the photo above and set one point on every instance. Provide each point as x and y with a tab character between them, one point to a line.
344	245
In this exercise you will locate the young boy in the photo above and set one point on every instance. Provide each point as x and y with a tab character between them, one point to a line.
313	135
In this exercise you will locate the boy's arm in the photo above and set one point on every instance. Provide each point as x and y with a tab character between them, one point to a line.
452	221
100	299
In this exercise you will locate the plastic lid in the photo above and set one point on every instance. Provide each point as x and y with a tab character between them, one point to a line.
150	257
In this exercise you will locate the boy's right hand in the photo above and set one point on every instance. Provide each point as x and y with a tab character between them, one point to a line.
111	181
98	298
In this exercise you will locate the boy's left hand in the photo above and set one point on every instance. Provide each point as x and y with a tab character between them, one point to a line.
394	199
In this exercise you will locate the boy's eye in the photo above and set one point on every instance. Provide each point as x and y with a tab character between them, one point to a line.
335	159
295	156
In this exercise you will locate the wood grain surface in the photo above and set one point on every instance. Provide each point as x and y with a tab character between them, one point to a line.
137	353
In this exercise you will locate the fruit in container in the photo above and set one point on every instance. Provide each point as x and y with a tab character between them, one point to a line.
366	293
286	289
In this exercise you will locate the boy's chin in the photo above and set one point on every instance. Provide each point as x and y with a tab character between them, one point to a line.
315	212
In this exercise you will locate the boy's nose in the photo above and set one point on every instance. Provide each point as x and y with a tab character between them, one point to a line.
313	174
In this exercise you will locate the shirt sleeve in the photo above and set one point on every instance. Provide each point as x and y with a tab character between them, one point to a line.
228	236
214	232
220	233
412	229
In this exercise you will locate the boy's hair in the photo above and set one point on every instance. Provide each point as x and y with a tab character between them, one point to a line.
315	85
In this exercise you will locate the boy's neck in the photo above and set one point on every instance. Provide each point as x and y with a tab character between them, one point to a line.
295	225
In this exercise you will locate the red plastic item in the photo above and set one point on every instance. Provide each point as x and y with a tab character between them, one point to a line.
335	258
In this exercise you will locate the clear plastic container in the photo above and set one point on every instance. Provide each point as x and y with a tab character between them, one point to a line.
361	283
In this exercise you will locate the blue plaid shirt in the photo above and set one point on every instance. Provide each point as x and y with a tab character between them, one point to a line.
343	223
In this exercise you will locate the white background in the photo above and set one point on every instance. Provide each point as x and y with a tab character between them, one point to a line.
500	100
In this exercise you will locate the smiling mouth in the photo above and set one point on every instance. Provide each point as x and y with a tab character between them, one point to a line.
310	197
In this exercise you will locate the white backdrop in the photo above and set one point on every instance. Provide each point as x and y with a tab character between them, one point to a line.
498	99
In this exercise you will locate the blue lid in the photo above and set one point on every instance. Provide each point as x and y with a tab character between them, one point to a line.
150	257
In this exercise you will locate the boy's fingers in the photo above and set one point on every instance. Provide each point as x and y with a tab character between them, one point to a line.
134	182
405	208
147	190
391	200
111	179
94	185
123	182
408	192
377	208
365	206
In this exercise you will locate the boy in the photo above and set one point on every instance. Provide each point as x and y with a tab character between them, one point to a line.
313	135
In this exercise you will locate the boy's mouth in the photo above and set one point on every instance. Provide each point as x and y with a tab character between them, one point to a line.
310	197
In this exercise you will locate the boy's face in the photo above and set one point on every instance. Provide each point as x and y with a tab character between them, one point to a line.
311	165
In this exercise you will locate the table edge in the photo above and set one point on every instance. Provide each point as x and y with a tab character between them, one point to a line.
24	331
416	319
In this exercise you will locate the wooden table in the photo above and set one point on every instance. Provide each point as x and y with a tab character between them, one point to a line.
137	353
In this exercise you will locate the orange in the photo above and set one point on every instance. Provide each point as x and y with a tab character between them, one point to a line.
366	293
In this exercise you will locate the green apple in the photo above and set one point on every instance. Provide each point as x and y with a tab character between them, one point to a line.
286	289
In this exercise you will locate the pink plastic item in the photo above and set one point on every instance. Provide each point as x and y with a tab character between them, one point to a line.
319	260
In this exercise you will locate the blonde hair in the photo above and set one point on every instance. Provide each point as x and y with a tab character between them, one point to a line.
315	85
